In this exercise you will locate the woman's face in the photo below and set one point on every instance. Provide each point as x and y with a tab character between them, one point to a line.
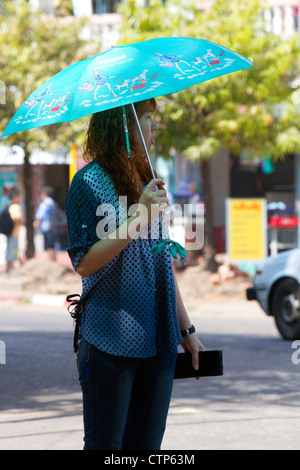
148	128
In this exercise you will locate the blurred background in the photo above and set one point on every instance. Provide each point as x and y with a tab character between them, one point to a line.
236	137
230	148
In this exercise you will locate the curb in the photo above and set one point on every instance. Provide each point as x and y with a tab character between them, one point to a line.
49	300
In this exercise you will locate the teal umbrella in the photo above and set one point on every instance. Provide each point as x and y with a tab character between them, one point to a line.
125	75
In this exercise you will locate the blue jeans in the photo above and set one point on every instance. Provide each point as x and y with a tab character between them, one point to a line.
125	400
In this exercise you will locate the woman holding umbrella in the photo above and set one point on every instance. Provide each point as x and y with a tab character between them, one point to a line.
133	317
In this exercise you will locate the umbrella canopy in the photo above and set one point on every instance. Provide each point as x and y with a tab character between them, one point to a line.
125	75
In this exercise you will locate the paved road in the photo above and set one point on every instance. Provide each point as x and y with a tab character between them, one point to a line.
255	405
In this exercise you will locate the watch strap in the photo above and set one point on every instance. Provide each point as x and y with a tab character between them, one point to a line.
188	331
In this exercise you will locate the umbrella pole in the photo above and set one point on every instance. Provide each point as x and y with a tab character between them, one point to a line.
142	139
160	245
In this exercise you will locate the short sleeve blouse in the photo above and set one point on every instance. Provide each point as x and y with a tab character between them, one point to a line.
129	304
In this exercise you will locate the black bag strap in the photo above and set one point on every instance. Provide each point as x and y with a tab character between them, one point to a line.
75	309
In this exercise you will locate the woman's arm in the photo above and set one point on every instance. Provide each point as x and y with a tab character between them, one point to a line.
105	250
190	342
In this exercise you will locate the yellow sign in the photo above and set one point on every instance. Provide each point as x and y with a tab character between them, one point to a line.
76	162
73	163
246	229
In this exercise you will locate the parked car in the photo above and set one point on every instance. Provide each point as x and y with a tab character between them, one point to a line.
276	287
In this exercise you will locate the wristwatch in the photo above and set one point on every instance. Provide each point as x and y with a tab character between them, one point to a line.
189	331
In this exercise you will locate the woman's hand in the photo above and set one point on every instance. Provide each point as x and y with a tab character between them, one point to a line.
153	200
106	249
192	344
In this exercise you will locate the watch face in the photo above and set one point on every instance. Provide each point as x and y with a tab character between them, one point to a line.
188	331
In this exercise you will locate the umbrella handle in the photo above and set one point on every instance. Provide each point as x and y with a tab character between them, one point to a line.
142	139
126	132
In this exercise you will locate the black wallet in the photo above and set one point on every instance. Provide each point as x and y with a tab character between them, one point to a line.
210	364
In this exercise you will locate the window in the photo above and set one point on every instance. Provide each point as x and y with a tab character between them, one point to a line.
104	6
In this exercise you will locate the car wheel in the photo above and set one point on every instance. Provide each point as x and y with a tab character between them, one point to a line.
286	309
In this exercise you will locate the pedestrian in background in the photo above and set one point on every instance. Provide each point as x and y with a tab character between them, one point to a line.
5	199
15	212
43	220
132	309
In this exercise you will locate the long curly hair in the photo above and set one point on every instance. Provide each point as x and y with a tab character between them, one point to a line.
106	144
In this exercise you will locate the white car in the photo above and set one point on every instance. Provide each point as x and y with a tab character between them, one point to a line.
276	287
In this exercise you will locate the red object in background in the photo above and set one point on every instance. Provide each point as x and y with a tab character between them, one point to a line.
283	221
220	239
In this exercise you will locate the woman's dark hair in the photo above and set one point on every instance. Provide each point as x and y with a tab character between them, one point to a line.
106	144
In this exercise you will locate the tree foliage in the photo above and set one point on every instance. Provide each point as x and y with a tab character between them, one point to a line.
35	47
250	109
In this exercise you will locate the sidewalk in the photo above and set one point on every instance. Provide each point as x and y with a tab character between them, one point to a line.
44	282
40	281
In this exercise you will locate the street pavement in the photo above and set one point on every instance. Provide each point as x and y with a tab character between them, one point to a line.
254	405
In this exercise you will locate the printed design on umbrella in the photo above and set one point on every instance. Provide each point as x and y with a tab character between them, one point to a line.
37	99
125	75
44	110
99	80
171	60
202	64
116	87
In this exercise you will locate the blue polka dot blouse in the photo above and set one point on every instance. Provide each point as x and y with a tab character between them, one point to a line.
129	304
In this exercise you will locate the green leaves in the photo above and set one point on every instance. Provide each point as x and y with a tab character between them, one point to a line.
34	48
239	110
205	149
287	141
